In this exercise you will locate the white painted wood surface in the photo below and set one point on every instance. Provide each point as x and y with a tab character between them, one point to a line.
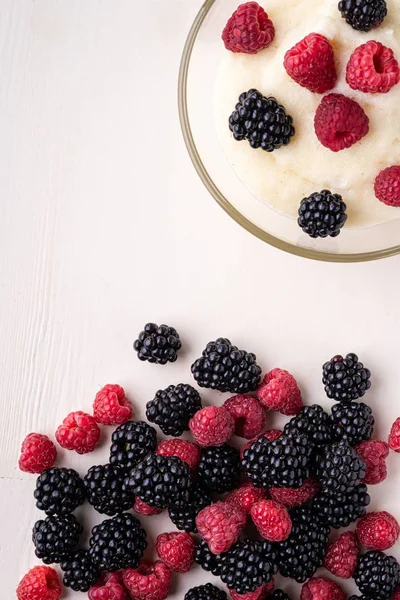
104	226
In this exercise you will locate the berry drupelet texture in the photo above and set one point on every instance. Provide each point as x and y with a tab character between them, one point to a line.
80	572
117	543
377	575
247	565
224	367
172	408
219	468
303	552
40	583
59	491
37	453
374	453
279	595
322	214
104	491
159	480
339	468
158	344
184	512
341	509
363	15
206	559
311	63
261	121
313	422
352	421
248	30
205	592
131	443
55	537
345	379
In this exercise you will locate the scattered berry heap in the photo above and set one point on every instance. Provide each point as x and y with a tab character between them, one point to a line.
303	481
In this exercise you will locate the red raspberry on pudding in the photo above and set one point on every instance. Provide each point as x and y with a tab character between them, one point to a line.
387	186
340	122
37	453
311	63
373	69
248	30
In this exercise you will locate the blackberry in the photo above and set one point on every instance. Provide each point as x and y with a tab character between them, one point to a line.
247	565
158	344
359	598
377	575
340	509
363	15
303	552
104	490
278	595
183	513
206	559
59	491
352	421
117	543
172	409
219	468
205	592
322	214
131	443
313	422
261	121
55	537
80	573
339	468
281	463
159	480
345	379
225	368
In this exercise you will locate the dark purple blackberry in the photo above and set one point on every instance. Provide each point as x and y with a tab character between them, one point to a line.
205	592
104	491
131	443
247	565
279	595
55	537
59	491
158	344
80	573
183	513
160	480
281	463
206	559
313	422
225	368
352	421
261	121
172	409
339	468
377	575
219	468
117	543
340	509
322	214
345	379
303	552
359	598
363	15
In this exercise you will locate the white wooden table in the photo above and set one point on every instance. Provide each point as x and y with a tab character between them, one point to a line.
105	226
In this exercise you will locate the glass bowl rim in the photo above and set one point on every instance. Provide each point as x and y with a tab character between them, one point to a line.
214	190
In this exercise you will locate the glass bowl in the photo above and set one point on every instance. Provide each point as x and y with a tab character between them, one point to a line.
198	72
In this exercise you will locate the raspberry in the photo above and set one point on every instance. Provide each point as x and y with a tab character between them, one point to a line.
249	29
260	593
342	555
319	588
79	431
396	595
186	451
37	453
150	581
340	122
245	496
144	509
292	497
270	434
372	68
373	453
311	63
220	525
248	414
387	186
108	587
40	583
378	531
176	550
272	520
212	426
279	391
394	436
111	406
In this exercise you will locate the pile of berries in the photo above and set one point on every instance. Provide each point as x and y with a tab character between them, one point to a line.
301	482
